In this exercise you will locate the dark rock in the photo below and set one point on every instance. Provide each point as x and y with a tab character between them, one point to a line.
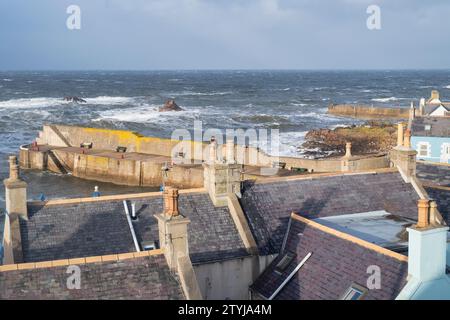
170	105
74	99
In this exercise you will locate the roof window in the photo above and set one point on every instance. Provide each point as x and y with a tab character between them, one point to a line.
355	292
284	262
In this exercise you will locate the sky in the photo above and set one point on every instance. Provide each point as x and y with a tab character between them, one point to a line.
224	34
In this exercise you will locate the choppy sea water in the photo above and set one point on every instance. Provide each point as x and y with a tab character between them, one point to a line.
291	101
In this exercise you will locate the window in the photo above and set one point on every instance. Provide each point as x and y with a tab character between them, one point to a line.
355	292
423	149
447	150
284	262
428	127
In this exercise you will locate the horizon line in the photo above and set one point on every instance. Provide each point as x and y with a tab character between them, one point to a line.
225	69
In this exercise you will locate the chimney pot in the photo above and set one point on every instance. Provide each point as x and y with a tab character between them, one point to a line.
230	151
13	169
171	202
407	141
213	151
424	213
348	149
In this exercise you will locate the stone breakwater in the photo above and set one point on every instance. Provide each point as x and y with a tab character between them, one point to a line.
368	112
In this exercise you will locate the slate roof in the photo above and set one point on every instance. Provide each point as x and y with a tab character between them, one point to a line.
100	228
138	278
212	233
75	230
430	108
335	264
442	197
433	174
440	127
268	206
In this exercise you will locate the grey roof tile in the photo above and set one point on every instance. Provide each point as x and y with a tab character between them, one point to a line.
442	198
439	127
100	228
433	174
335	264
268	206
141	278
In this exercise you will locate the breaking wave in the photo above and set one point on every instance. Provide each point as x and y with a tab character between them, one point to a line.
142	114
386	99
32	103
192	93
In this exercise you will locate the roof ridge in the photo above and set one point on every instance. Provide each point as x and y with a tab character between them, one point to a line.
325	175
437	164
110	198
78	261
350	238
436	186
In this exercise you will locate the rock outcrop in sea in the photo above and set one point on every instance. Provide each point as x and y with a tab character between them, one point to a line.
74	99
170	105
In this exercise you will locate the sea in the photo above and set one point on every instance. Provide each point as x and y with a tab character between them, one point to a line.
291	101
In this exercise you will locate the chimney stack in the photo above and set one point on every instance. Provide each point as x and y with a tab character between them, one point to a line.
427	247
422	107
173	233
403	156
400	135
16	209
212	151
348	149
434	95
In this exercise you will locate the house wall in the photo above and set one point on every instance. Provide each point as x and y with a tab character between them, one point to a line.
230	279
436	145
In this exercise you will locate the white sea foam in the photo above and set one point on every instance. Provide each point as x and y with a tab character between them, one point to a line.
31	103
45	102
107	100
447	87
7	80
192	93
144	113
386	99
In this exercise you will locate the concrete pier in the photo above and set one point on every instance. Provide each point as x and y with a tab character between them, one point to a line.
130	168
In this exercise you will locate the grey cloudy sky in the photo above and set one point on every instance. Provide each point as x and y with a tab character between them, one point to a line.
224	34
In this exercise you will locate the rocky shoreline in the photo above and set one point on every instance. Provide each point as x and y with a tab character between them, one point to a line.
371	137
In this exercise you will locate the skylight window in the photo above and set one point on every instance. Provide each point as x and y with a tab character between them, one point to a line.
355	292
284	262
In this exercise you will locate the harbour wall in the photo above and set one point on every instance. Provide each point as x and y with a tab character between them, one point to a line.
128	172
58	150
368	112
